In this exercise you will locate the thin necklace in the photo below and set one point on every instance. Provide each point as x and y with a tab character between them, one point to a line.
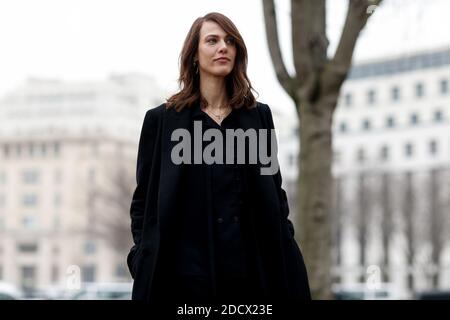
218	116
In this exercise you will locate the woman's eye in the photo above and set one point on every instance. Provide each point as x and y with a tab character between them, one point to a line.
229	40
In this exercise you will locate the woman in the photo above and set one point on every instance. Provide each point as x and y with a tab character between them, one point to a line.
210	229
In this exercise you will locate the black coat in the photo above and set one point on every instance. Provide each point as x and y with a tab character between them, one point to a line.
280	265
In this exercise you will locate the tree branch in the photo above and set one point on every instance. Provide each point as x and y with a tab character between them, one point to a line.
358	13
309	43
274	48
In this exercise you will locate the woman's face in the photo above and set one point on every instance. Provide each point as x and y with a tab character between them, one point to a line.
214	43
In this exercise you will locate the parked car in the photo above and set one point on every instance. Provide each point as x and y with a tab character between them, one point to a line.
9	291
360	291
103	291
433	295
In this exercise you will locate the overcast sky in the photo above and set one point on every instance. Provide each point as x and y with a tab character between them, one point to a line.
90	39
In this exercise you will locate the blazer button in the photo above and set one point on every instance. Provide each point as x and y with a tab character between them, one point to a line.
236	219
219	220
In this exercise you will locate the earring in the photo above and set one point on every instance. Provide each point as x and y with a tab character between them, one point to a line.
196	67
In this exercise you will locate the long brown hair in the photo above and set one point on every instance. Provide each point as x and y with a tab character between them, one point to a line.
238	85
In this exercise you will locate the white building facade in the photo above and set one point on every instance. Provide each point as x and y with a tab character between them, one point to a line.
392	120
57	142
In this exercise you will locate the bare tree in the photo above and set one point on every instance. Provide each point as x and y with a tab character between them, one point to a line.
315	90
387	222
363	213
437	223
337	216
409	217
109	206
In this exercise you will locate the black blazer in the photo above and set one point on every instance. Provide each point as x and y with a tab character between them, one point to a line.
282	271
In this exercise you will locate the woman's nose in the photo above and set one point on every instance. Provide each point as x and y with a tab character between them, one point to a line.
223	45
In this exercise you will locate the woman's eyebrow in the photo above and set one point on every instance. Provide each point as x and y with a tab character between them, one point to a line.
215	35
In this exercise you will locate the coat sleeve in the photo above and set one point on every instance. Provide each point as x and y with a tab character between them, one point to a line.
278	181
143	167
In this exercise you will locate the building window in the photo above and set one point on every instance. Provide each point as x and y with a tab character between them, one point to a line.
443	86
420	90
89	247
348	98
6	151
371	96
88	273
57	148
30	222
361	155
433	147
31	150
384	153
55	274
18	150
28	277
43	149
343	127
30	176
395	94
366	124
390	123
414	119
409	150
438	116
30	200
27	247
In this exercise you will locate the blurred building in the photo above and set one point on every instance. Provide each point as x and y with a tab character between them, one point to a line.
391	165
392	168
59	142
286	128
391	147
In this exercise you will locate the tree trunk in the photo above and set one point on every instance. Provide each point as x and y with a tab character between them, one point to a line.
315	90
314	194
